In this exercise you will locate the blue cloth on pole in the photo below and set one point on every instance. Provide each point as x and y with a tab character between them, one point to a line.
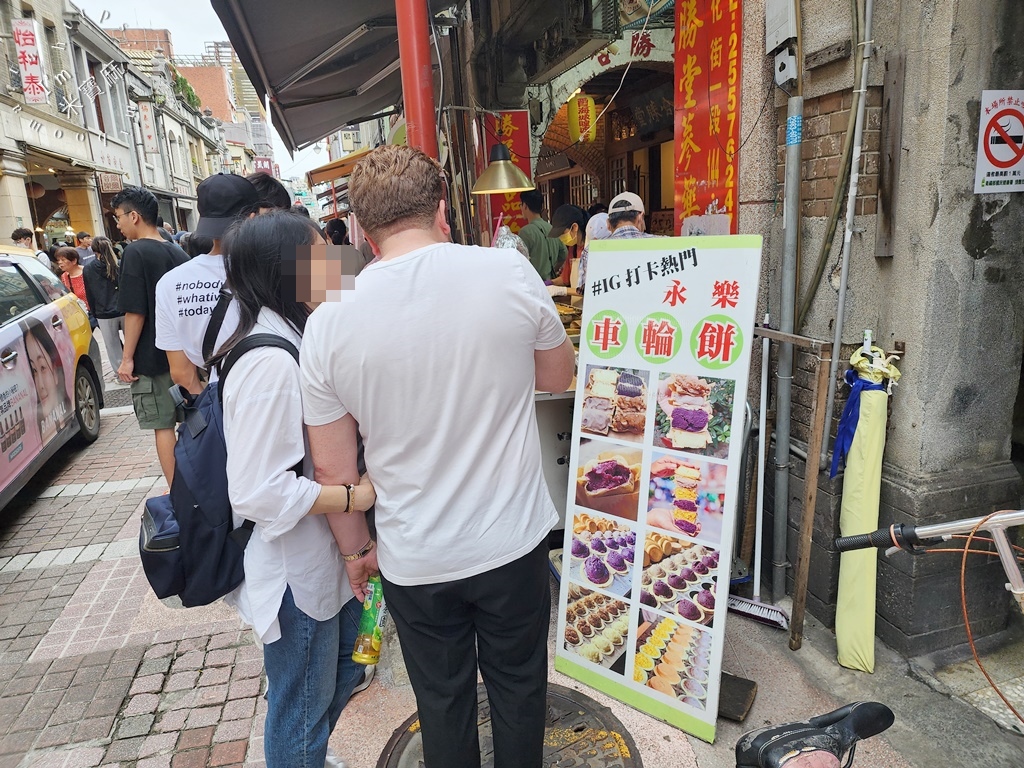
851	415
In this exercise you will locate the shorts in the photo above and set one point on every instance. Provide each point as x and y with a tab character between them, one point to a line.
154	407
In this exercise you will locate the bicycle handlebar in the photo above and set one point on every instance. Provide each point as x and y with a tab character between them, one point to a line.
877	539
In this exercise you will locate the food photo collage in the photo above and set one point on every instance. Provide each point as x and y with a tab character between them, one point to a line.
642	561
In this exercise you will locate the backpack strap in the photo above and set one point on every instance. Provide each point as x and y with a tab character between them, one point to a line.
255	341
216	321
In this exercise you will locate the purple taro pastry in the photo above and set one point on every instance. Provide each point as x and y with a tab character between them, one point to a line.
689	420
662	590
709	560
579	549
700	568
621	541
625	389
598	546
676	581
607	474
631	538
706	599
687	505
648	599
611	542
616	562
690	529
688	575
627	554
688	610
596	571
630	378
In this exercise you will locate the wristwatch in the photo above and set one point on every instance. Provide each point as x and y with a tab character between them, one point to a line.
367	548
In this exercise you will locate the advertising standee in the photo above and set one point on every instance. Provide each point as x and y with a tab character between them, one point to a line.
663	369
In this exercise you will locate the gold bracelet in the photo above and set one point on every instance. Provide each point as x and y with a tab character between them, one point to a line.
363	552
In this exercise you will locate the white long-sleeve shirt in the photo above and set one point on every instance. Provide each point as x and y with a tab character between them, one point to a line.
265	439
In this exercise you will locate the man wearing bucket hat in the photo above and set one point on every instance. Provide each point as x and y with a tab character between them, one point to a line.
626	217
186	296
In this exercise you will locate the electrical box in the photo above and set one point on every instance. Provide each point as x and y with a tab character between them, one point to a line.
779	24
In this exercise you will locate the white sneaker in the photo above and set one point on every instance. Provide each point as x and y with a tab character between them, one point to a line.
367	679
333	761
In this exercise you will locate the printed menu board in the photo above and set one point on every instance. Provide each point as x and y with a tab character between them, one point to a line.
664	360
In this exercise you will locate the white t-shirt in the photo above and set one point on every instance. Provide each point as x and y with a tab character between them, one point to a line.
432	354
288	547
185	297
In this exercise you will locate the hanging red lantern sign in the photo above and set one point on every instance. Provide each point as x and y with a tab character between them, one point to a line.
582	117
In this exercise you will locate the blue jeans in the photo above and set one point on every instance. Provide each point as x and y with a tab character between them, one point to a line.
311	676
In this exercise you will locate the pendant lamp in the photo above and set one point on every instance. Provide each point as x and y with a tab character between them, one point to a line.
501	175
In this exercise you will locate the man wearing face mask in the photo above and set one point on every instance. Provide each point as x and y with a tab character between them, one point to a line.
547	256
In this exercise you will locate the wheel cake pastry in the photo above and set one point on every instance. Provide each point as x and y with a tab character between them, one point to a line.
597	415
631	396
610	483
624	420
603	376
631	378
686	385
601	389
596	572
689	429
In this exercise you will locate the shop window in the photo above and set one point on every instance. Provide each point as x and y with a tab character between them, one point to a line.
617	175
582	191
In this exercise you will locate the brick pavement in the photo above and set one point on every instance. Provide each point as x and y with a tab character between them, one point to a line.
94	671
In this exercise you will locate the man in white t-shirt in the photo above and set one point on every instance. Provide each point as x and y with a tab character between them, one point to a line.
434	359
187	295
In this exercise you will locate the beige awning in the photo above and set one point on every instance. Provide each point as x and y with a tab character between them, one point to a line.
337	169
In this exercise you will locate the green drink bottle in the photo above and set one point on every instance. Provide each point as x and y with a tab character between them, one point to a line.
371	624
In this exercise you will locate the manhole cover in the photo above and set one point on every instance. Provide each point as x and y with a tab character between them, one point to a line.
580	732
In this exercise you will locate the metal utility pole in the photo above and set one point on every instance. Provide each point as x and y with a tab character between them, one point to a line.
417	74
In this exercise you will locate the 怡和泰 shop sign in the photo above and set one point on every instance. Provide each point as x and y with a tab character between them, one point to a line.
1000	164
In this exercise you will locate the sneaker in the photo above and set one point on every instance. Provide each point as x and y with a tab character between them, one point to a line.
333	761
367	679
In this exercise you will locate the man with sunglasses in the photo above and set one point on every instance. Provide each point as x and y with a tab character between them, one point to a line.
148	258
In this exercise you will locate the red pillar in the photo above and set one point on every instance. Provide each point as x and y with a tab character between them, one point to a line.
417	75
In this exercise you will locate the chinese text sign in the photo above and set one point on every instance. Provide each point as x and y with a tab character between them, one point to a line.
512	129
656	448
707	109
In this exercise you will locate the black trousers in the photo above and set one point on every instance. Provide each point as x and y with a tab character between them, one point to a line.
499	620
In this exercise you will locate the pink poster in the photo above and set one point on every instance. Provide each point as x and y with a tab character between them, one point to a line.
36	400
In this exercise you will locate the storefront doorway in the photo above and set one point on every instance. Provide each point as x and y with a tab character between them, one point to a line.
633	150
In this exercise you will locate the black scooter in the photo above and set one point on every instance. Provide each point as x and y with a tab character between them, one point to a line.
821	742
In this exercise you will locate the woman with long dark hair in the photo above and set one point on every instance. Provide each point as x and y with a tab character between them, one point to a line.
296	595
101	276
53	406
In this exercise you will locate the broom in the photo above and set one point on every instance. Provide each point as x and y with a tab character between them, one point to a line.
766	613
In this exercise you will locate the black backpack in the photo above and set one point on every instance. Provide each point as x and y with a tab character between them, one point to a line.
188	543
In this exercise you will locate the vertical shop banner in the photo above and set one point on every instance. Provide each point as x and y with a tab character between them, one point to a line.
512	129
707	115
30	66
149	144
657	441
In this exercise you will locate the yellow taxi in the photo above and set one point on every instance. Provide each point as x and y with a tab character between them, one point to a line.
50	387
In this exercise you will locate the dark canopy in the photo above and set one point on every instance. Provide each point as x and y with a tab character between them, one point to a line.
324	64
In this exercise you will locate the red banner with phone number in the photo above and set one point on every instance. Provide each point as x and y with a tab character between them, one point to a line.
511	128
707	109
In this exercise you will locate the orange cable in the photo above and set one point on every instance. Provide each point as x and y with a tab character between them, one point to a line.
967	621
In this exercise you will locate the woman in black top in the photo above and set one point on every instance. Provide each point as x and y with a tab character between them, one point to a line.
101	276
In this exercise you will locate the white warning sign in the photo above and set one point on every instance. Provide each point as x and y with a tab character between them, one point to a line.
1000	166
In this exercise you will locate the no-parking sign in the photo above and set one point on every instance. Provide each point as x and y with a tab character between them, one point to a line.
1000	166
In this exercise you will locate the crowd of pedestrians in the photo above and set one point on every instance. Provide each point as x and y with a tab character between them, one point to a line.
364	458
